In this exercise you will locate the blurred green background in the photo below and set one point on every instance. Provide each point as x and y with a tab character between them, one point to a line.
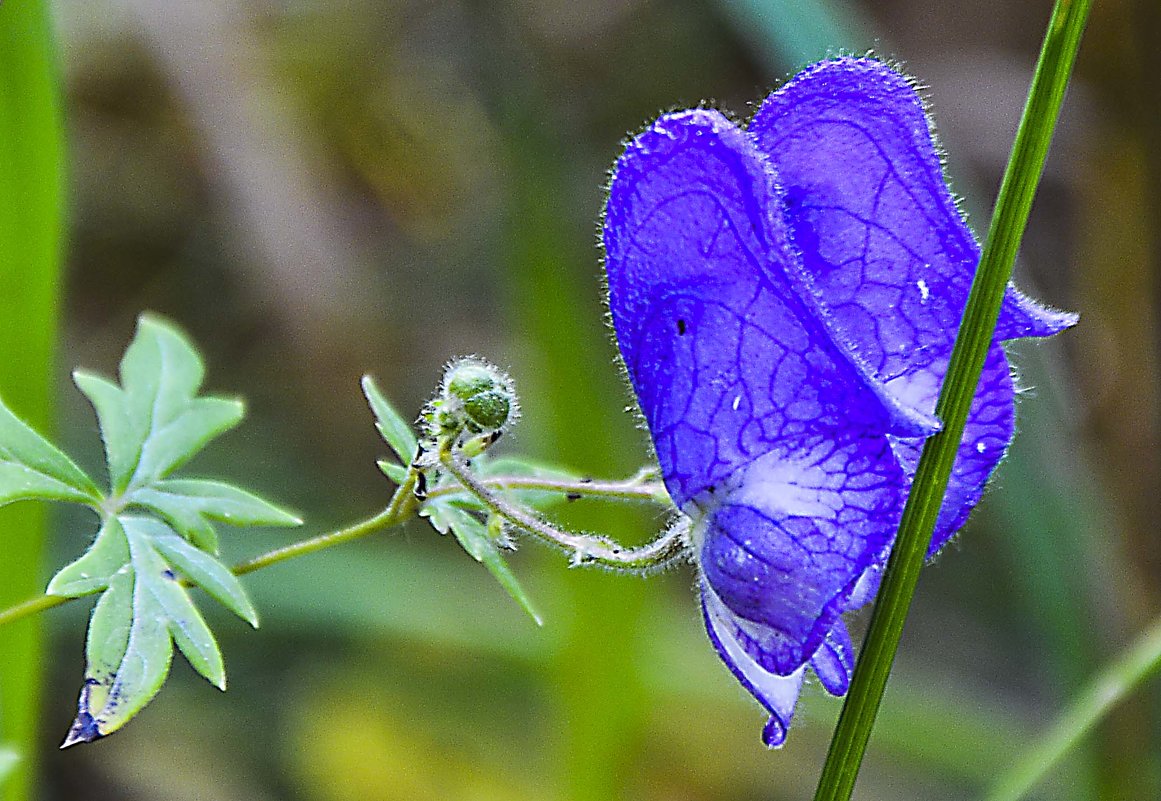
317	190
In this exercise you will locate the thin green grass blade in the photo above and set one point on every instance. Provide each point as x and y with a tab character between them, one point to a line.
1013	204
792	33
1138	662
31	223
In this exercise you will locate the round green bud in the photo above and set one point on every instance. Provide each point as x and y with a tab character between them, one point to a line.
479	395
488	410
467	379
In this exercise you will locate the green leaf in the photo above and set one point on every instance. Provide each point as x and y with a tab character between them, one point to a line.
158	534
143	612
473	536
393	428
209	574
189	505
154	421
32	468
96	568
396	472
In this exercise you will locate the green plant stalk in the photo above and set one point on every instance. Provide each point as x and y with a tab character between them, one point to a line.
1053	69
403	507
585	549
31	234
793	33
1108	688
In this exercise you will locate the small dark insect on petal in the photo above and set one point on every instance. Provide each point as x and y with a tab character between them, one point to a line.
573	496
169	574
681	327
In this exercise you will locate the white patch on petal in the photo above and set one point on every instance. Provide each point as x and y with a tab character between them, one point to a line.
779	694
917	389
924	291
981	447
737	402
781	487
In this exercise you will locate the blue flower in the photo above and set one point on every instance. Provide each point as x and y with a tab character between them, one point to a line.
786	298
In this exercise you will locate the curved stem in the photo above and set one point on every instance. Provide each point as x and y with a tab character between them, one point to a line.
404	505
637	488
976	332
401	508
32	606
586	549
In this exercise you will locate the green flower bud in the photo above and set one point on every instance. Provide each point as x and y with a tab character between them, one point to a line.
477	397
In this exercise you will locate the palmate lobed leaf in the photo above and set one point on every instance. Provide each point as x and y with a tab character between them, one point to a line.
154	421
474	538
143	612
157	535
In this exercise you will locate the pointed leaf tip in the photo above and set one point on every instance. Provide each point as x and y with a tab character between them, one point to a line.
32	468
392	427
473	536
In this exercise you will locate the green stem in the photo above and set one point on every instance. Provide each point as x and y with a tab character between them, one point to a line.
32	606
585	548
1013	204
1141	660
403	506
634	489
32	211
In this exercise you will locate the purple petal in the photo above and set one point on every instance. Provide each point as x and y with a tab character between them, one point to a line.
835	660
890	256
727	350
879	230
794	533
778	694
989	429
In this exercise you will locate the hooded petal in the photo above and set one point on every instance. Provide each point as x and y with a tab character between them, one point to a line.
779	694
727	349
878	228
889	254
791	538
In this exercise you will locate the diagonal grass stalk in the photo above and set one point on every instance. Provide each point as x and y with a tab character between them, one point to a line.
1013	204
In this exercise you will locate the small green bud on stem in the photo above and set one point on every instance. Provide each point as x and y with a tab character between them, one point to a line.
476	404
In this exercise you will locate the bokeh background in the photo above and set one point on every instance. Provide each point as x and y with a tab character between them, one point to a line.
317	190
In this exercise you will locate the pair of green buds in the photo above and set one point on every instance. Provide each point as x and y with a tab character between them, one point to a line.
476	404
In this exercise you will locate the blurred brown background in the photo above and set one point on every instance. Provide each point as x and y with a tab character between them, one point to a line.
317	190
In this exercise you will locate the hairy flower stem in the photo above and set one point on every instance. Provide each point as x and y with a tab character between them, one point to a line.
585	549
404	506
640	487
977	330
